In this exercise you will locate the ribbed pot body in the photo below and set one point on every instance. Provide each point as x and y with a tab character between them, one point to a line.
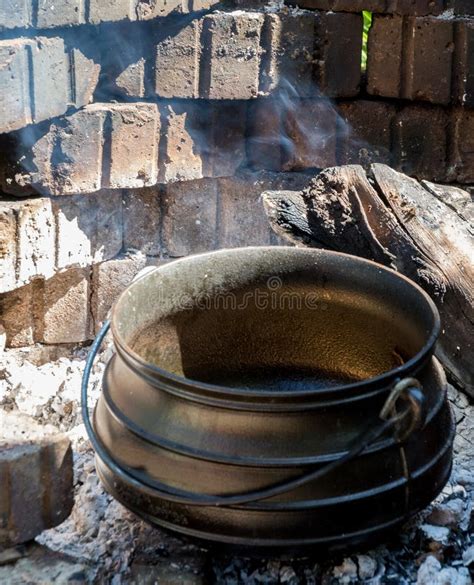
242	369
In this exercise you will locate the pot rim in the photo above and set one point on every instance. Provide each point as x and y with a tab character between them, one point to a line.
191	386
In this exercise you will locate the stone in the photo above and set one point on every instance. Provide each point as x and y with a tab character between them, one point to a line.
133	146
367	567
184	138
66	314
468	556
346	572
449	514
36	478
436	533
109	279
190	217
231	58
142	220
310	128
15	104
52	13
177	63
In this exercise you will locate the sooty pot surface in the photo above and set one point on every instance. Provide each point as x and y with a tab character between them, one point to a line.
244	369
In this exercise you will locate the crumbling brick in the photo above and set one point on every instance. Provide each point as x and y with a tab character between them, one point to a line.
110	11
142	220
109	279
147	9
66	313
17	315
8	246
177	63
36	478
189	217
131	81
85	75
134	134
231	58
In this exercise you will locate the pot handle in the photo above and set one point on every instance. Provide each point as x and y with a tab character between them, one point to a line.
403	422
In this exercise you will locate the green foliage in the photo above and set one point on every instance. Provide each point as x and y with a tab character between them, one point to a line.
365	36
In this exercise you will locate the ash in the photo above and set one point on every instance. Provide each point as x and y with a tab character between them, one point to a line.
101	542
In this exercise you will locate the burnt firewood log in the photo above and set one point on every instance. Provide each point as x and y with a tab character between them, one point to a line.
422	230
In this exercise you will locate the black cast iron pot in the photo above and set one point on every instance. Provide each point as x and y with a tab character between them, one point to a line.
273	397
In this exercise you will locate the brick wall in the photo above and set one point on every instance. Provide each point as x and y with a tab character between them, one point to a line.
132	133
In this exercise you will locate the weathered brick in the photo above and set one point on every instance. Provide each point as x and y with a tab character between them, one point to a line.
36	478
420	144
17	315
51	83
85	75
230	64
183	136
189	217
89	228
289	58
310	128
177	63
53	13
134	133
8	246
77	159
66	313
109	279
338	54
110	11
35	240
408	7
365	132
384	58
463	63
15	13
264	142
142	220
131	81
15	104
226	149
147	9
242	218
461	155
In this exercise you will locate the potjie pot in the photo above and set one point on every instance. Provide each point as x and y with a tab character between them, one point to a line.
273	398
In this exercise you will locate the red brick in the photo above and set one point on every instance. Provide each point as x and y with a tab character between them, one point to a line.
463	63
288	60
230	65
146	9
365	130
420	143
384	58
264	141
177	63
189	217
338	51
8	246
142	220
131	81
226	138
134	133
461	155
310	126
17	315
